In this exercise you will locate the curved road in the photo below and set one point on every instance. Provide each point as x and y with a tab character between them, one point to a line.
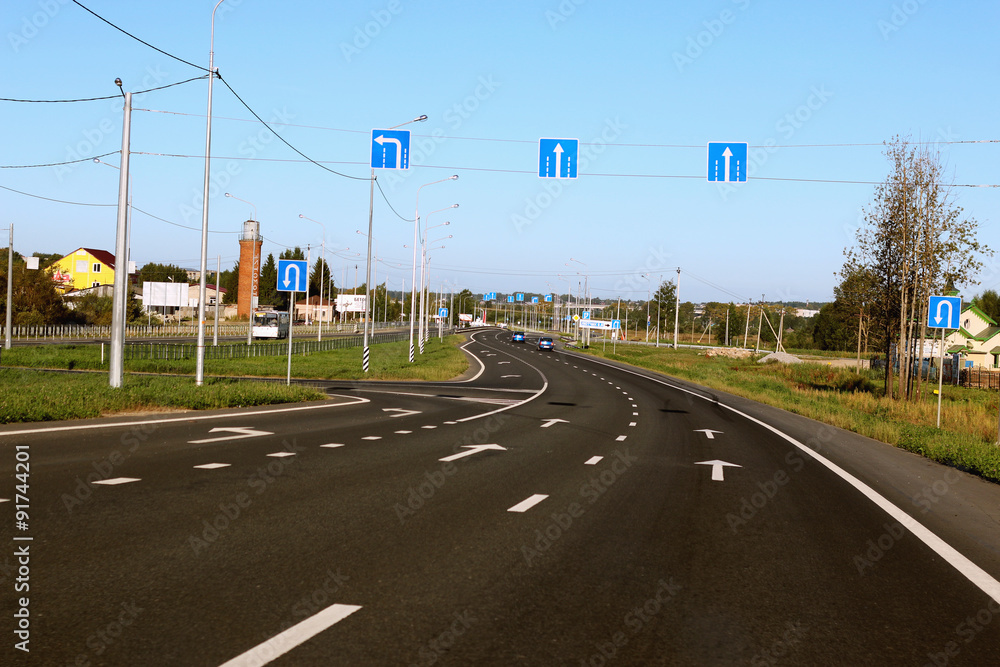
549	509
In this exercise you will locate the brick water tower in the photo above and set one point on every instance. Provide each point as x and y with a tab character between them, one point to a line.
250	244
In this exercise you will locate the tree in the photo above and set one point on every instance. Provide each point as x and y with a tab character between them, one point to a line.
230	280
320	275
162	273
267	289
35	298
914	241
989	303
661	310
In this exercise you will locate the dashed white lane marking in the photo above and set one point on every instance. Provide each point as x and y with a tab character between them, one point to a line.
632	423
620	438
635	414
284	642
593	460
213	466
528	503
429	426
332	445
117	480
403	432
450	423
372	437
634	405
280	455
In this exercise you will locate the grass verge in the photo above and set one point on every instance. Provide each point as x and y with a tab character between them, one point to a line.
846	399
27	394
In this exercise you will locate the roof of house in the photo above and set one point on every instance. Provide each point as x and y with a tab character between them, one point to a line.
103	256
974	308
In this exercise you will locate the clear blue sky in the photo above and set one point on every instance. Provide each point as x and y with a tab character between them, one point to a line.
655	81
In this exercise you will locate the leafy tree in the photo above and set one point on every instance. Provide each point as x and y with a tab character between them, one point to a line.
989	303
267	288
230	280
320	274
36	300
162	273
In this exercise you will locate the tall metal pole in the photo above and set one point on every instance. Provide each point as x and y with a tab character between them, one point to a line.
218	297
368	272
658	311
677	307
117	360
199	376
10	288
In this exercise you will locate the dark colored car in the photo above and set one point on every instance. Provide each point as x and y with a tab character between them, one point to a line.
545	343
518	337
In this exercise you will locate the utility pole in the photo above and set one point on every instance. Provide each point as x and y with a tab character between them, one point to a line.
117	360
677	307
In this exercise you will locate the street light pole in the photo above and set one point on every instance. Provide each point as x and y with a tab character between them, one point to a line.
413	283
199	376
117	360
322	275
422	338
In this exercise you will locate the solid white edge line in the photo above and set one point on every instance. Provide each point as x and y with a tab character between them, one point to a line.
975	574
355	400
284	642
545	385
528	503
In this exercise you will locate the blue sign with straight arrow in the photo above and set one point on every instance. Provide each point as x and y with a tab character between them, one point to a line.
557	158
727	162
293	274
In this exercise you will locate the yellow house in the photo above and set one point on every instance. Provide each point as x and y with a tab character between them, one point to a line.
82	268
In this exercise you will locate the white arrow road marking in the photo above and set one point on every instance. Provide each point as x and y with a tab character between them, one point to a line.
284	642
528	503
472	449
380	140
244	432
717	467
550	422
709	433
401	412
213	466
117	480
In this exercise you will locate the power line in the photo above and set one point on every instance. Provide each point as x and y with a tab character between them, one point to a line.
169	55
56	164
58	201
106	97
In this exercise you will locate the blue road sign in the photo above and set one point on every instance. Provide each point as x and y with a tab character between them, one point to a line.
727	162
492	296
944	312
520	296
293	274
548	298
390	149
585	315
510	299
616	324
534	299
442	312
557	158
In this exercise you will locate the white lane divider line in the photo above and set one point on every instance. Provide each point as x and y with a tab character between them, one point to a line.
372	437
212	466
281	455
528	503
4	500
593	460
429	426
299	633
635	414
632	423
403	432
620	438
332	445
450	423
114	481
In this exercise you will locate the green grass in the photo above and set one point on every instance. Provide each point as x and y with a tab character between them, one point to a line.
30	394
848	399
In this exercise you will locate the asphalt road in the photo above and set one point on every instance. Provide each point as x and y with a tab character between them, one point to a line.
549	509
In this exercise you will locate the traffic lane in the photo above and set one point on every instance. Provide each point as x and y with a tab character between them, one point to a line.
503	367
172	535
860	534
961	508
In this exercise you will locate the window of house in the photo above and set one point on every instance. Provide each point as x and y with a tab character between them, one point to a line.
81	266
97	268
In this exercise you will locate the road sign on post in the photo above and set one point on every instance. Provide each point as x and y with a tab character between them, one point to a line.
944	312
727	162
442	312
520	296
557	158
491	296
293	274
390	149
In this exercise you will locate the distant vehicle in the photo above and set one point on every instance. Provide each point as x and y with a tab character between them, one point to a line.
518	337
545	343
270	324
502	325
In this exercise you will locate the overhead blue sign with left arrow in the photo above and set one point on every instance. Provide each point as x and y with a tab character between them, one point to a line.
293	275
390	149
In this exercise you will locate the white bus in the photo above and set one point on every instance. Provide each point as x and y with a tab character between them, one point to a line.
270	324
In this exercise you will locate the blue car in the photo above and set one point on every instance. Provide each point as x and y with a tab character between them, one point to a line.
545	343
518	337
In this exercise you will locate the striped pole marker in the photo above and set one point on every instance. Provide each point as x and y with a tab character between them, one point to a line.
411	352
364	360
